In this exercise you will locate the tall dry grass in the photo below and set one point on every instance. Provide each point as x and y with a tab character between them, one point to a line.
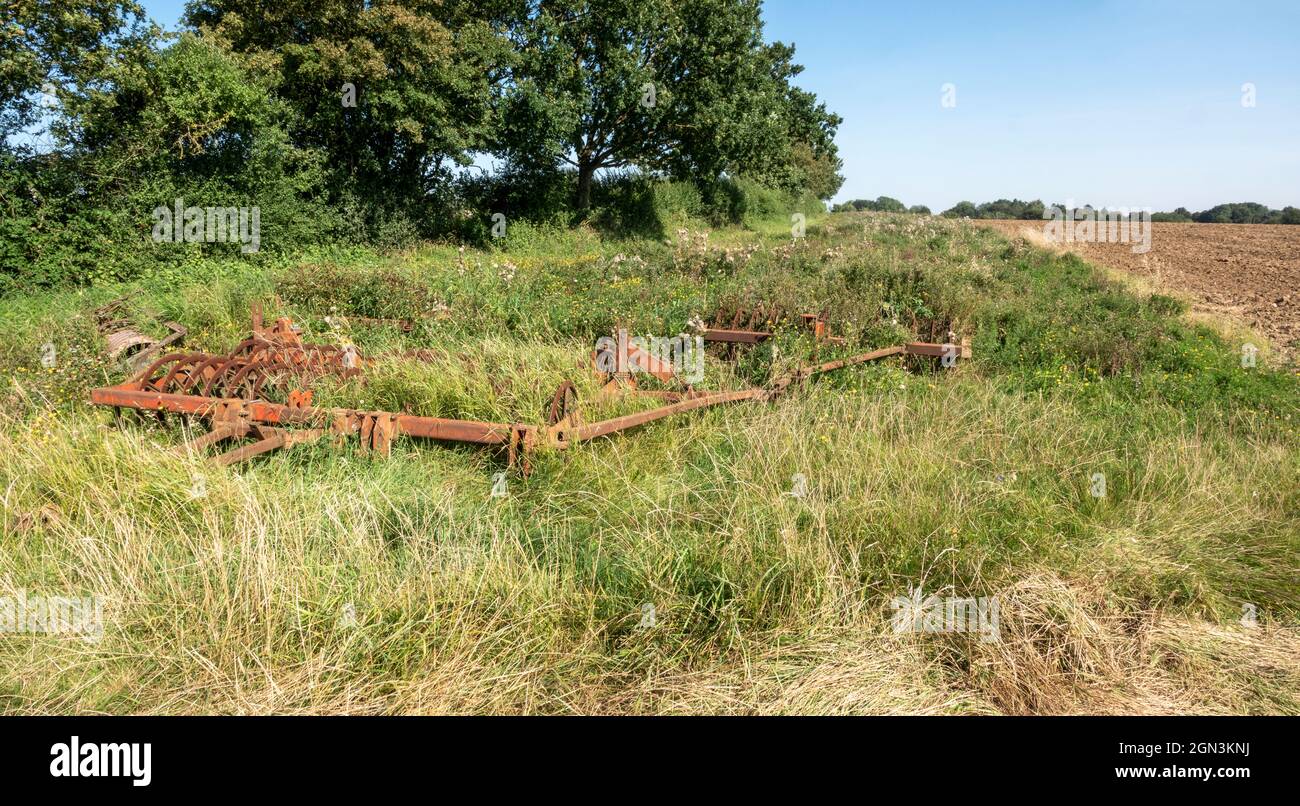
320	581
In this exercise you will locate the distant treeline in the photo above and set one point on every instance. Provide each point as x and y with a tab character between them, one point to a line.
1237	213
884	204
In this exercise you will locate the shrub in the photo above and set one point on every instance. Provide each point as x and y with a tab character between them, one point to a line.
190	123
636	204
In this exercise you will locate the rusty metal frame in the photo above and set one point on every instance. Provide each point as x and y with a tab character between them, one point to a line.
232	417
121	339
733	336
567	430
226	391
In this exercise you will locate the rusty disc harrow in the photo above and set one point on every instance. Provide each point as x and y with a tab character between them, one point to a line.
230	391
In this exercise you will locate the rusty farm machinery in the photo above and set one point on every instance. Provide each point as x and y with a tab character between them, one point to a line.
123	342
231	392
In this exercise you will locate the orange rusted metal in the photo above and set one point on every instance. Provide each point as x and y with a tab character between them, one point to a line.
625	356
732	335
562	435
123	341
228	391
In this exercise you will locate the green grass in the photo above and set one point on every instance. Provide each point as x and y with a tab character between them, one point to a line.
231	590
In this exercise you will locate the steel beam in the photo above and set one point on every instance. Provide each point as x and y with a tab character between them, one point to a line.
261	411
563	436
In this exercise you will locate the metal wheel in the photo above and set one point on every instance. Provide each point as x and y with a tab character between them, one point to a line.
563	403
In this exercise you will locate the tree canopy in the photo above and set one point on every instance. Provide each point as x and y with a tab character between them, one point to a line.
682	88
355	119
49	48
392	91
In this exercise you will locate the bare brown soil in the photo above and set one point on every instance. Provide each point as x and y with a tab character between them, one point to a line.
1248	273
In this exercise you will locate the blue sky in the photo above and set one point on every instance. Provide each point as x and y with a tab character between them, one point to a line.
1135	103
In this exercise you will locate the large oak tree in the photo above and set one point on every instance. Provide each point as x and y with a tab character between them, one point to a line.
421	74
681	87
